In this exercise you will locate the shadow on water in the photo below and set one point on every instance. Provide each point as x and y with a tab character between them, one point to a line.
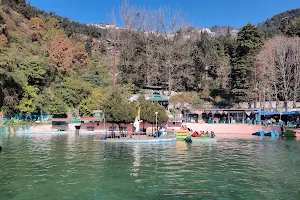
3	132
290	138
7	133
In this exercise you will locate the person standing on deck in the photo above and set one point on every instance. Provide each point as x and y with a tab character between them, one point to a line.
248	120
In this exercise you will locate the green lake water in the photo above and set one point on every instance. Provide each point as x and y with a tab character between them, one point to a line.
71	167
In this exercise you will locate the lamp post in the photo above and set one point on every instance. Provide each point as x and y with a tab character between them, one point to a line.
174	120
104	123
156	113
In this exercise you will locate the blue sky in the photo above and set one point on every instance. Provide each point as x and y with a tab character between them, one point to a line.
200	13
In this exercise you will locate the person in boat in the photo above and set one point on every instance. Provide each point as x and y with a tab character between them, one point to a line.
282	131
207	133
183	127
212	134
196	134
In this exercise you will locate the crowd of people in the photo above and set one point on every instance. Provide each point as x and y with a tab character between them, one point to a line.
198	134
202	133
290	121
221	120
266	120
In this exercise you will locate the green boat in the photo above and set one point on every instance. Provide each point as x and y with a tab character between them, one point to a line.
290	133
203	139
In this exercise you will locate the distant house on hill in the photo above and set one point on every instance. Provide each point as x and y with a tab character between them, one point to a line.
105	26
156	94
162	100
153	94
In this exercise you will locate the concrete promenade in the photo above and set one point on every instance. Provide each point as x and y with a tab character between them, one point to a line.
217	128
231	128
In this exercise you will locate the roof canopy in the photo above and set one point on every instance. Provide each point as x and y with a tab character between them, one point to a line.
158	98
274	112
91	119
60	119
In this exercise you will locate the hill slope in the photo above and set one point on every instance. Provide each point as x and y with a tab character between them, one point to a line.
51	64
47	63
286	22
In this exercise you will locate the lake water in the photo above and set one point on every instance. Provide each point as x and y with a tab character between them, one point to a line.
78	167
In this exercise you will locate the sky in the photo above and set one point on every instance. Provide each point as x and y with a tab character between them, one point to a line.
200	13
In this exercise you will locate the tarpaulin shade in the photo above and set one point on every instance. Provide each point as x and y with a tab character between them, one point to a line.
248	113
199	112
266	113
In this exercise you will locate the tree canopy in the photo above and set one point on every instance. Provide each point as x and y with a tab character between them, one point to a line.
249	43
51	64
118	109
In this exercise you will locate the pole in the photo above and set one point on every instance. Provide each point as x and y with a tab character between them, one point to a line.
41	115
259	115
104	124
156	124
115	66
175	120
139	112
228	118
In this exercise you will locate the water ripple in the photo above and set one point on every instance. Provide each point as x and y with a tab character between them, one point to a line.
77	167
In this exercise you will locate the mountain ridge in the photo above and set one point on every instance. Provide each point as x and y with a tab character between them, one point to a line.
280	23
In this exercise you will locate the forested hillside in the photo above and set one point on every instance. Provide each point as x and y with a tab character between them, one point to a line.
160	49
283	23
50	64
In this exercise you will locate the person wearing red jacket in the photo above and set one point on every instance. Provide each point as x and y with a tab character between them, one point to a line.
196	134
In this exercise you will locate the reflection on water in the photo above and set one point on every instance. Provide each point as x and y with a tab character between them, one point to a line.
78	167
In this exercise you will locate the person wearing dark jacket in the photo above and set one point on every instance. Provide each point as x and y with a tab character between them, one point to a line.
282	131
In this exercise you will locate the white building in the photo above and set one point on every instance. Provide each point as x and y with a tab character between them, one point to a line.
105	26
206	30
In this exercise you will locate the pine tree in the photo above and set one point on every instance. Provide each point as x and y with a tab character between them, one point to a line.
249	43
